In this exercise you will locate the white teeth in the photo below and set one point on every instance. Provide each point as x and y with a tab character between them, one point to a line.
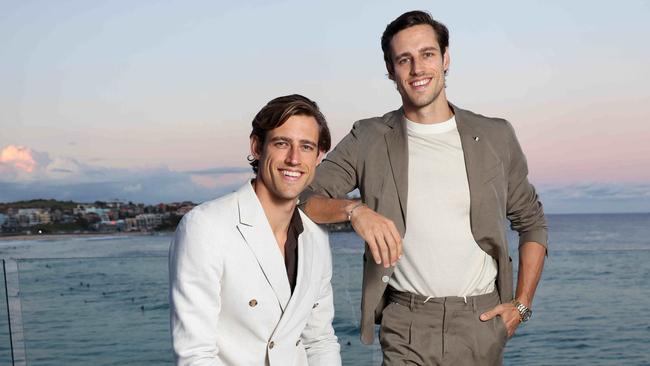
291	174
421	82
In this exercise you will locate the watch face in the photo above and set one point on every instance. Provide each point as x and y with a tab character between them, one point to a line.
526	315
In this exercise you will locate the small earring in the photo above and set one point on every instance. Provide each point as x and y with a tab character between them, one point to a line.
250	158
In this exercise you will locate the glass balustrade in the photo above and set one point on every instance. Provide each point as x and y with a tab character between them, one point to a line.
110	311
110	307
95	311
5	339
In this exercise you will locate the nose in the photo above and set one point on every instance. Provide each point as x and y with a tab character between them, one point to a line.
293	156
416	66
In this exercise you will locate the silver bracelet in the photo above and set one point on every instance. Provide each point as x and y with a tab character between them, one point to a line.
352	210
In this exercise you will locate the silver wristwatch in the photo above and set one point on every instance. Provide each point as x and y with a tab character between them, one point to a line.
524	311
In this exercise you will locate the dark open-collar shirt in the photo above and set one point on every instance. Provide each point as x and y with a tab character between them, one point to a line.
291	248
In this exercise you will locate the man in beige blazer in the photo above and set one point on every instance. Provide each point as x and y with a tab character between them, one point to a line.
249	273
441	181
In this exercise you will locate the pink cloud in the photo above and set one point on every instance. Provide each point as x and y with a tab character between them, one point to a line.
18	157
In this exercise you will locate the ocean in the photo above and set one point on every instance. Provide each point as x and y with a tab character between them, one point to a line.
103	300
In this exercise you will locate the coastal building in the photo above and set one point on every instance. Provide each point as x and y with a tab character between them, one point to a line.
98	216
10	225
33	216
43	217
131	224
148	221
184	209
110	226
115	204
85	210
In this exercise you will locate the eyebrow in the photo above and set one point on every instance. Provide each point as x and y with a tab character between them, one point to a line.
289	140
424	49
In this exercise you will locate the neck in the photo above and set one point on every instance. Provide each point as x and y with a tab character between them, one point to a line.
435	112
278	211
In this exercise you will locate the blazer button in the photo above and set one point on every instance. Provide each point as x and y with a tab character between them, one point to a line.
385	279
315	306
297	342
271	345
252	303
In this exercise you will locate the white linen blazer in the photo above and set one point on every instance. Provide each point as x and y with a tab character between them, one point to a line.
230	299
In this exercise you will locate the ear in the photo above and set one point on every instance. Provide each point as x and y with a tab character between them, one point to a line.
256	149
446	59
390	69
321	155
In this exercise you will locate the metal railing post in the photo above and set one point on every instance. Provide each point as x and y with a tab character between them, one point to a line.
14	312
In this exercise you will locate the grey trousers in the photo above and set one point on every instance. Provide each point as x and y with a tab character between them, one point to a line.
442	331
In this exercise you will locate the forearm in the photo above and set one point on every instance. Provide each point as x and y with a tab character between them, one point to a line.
531	263
379	232
325	210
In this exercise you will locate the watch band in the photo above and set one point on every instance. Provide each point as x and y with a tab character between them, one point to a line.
524	312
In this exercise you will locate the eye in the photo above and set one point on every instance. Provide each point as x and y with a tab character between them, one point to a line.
308	147
428	54
403	61
281	144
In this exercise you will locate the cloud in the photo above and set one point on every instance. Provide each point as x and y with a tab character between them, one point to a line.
28	174
596	197
600	191
20	162
17	157
23	164
221	170
152	186
133	188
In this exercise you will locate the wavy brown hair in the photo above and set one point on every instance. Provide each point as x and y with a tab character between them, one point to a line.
278	111
407	20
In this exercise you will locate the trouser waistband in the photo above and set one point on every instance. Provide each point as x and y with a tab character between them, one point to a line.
415	301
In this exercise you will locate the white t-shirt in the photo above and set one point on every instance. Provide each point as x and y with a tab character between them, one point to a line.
440	256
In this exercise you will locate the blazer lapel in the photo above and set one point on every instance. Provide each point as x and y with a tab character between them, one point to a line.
256	231
479	160
304	276
305	262
397	144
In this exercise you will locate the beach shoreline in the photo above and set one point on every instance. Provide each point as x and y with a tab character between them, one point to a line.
77	235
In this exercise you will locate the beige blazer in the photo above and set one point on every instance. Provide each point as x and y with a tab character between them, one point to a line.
230	299
373	157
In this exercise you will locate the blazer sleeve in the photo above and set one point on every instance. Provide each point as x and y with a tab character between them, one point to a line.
321	345
523	207
337	173
194	277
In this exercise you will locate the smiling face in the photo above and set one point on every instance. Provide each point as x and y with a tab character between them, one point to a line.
418	67
287	159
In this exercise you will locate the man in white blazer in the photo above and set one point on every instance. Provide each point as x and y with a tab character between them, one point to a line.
249	273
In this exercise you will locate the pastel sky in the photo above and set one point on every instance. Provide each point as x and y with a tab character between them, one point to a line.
152	100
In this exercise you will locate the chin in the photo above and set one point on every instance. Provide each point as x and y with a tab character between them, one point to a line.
288	195
424	100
